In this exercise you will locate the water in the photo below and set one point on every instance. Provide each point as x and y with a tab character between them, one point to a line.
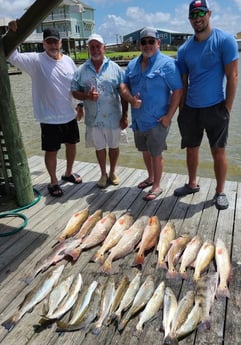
174	157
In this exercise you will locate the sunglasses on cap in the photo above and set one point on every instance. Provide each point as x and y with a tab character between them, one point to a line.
195	15
150	41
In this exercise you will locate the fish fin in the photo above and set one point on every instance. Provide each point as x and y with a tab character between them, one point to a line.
172	274
98	258
204	325
74	253
223	291
107	266
10	323
162	265
168	340
138	260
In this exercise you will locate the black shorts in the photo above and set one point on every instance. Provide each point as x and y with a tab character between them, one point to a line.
53	136
213	120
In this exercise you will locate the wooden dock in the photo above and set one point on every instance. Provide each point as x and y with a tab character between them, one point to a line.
46	219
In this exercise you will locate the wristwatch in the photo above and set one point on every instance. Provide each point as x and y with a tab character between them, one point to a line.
80	105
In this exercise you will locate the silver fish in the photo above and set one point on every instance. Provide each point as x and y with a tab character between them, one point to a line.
152	307
169	310
69	299
58	293
82	303
128	297
88	317
142	297
36	295
119	293
191	322
204	257
106	302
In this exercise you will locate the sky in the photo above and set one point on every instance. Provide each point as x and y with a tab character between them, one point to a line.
115	18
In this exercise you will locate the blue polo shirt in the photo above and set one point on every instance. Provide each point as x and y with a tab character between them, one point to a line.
106	112
154	85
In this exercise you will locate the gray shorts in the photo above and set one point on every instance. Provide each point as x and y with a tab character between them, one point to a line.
153	140
213	120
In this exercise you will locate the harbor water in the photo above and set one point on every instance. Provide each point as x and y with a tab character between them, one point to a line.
174	157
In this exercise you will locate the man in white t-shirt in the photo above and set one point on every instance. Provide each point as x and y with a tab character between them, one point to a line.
54	108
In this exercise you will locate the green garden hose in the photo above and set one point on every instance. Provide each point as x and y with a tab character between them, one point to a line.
15	213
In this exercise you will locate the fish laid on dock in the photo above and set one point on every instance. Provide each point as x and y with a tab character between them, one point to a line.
204	257
149	239
89	224
142	297
98	233
224	268
74	224
128	297
152	307
113	237
189	255
177	247
131	237
168	234
36	295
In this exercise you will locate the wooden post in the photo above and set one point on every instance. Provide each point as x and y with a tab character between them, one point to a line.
8	117
12	136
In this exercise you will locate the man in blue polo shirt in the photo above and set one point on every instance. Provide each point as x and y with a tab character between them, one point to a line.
153	87
205	61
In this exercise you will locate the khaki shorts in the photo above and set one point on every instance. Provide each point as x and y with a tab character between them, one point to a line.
100	138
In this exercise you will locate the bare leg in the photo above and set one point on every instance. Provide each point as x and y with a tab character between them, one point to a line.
157	166
51	165
101	157
220	167
192	158
70	153
113	157
148	163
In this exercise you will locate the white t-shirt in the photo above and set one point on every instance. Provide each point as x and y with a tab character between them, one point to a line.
52	99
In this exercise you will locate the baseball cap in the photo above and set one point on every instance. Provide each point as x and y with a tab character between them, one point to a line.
148	32
96	37
51	33
198	5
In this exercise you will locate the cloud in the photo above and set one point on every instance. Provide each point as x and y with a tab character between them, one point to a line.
15	8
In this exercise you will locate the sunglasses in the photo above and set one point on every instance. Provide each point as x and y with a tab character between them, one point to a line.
195	15
151	41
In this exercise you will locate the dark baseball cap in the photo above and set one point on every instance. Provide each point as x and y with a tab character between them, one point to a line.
198	5
51	33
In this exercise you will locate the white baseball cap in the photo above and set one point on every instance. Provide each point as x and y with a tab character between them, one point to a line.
96	37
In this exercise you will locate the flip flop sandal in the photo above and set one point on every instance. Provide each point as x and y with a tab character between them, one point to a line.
55	190
144	184
73	178
152	195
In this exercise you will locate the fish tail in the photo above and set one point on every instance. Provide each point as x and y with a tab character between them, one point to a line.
28	279
183	275
223	291
204	325
98	258
123	322
172	274
10	323
168	340
62	326
107	267
74	253
139	260
161	264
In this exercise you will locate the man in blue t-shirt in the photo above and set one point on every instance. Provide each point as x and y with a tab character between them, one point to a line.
208	63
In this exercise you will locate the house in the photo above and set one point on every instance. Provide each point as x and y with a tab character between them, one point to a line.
168	38
74	20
